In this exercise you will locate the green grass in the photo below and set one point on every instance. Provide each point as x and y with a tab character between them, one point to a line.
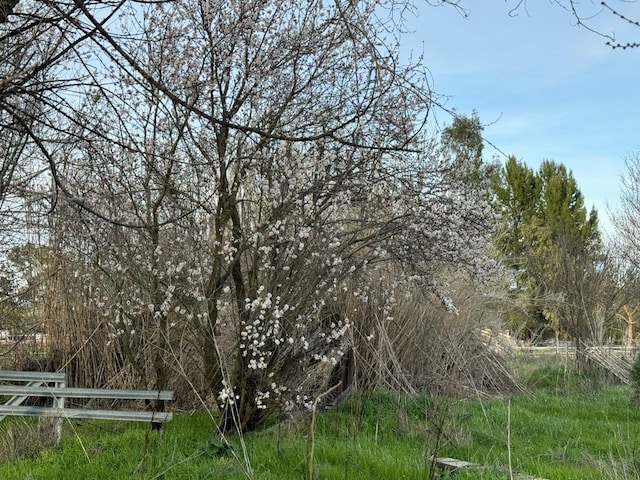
570	429
373	436
552	436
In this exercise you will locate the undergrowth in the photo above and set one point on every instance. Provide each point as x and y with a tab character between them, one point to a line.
567	427
25	438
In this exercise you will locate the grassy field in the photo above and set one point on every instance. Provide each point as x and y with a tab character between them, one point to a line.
568	428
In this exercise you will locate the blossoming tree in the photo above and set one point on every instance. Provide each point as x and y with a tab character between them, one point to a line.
228	175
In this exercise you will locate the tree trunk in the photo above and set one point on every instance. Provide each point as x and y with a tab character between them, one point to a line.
581	360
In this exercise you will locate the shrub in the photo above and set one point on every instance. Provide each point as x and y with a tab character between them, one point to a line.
634	376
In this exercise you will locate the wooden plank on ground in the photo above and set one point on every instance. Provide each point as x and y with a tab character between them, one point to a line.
454	464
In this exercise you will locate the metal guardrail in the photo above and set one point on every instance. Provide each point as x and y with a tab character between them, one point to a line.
36	387
130	416
13	376
67	392
33	379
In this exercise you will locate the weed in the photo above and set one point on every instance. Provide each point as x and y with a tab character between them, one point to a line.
25	438
216	447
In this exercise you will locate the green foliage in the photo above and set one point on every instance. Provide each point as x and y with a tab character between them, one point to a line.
563	210
463	143
463	139
542	212
517	192
218	447
547	238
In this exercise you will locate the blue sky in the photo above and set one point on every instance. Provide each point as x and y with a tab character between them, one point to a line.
546	88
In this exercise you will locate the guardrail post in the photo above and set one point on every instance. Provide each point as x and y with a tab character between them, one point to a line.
58	402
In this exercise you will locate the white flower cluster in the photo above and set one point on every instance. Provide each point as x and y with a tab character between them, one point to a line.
264	330
304	400
227	396
274	393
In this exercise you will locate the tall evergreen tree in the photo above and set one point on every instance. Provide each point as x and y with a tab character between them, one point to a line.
547	237
517	191
562	209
